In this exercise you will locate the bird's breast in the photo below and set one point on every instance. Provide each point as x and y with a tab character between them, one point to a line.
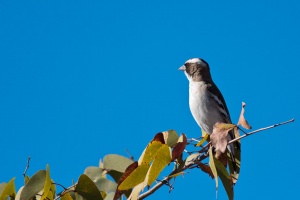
202	107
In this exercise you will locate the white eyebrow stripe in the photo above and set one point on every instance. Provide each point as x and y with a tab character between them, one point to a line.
194	60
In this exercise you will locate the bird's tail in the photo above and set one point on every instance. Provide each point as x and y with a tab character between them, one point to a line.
234	155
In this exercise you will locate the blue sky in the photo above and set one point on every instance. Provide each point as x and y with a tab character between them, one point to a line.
79	80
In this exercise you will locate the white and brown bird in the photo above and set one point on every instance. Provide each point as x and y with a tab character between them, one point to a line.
208	105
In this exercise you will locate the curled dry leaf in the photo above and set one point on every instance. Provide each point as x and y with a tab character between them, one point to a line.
242	121
219	137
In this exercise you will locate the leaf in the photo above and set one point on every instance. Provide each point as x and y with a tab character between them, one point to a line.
202	141
161	160
219	137
176	174
136	191
18	196
116	162
9	190
34	185
127	172
191	158
66	196
47	184
26	179
115	175
170	137
225	178
53	188
159	137
94	173
179	147
2	186
110	196
106	185
213	167
205	169
136	177
242	121
87	188
150	152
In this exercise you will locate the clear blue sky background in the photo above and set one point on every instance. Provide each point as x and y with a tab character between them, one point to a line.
79	80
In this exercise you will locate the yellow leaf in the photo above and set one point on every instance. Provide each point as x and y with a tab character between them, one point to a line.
66	196
162	159
9	190
203	140
177	174
47	184
151	151
136	177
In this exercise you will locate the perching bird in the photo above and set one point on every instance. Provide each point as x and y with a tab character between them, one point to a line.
208	105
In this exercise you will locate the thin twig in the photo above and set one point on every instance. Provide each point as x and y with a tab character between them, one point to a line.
27	166
129	154
261	129
59	195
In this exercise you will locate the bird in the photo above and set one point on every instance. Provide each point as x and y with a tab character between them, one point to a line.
207	104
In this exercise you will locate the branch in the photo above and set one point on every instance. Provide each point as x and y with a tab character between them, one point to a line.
164	181
59	195
261	129
27	166
202	157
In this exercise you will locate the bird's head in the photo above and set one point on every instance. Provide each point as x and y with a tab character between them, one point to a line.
196	69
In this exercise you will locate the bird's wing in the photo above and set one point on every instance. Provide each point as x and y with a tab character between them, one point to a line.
234	154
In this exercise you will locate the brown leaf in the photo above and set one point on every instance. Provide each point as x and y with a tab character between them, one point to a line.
179	148
242	121
219	137
159	137
127	172
205	169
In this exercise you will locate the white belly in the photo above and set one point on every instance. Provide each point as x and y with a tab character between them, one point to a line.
203	107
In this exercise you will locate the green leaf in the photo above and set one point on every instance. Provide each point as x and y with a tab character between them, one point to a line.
93	173
116	162
106	185
213	167
9	190
87	188
171	137
225	178
136	177
47	184
34	185
161	160
115	175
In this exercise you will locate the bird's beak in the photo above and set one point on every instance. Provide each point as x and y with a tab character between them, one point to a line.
182	68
